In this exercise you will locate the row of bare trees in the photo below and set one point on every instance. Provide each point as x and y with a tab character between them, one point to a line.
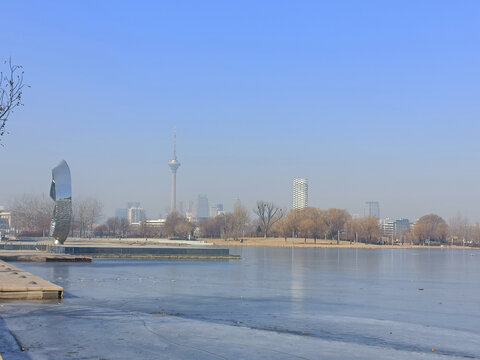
308	223
113	227
461	231
336	224
31	215
229	225
314	223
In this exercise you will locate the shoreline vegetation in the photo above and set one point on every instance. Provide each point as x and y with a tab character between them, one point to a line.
262	242
322	243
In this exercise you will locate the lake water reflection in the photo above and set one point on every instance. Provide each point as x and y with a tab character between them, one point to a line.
382	302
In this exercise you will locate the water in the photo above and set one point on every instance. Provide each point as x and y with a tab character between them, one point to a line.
273	303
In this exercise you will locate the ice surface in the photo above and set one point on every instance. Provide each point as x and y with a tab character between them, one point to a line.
271	304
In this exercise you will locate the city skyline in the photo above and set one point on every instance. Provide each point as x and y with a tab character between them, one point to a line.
365	104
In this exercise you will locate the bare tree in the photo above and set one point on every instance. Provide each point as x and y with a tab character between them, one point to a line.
430	227
212	227
292	222
123	226
311	223
335	220
268	214
367	229
88	212
11	90
239	220
32	213
281	228
112	226
458	227
177	225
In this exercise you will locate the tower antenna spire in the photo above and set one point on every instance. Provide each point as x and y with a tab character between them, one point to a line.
175	142
174	165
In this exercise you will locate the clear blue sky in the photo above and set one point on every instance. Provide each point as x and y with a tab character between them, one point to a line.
370	100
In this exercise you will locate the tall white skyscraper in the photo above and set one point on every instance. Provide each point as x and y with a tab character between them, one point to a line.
300	193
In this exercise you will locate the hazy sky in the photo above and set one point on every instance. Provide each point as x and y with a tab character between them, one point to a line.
369	100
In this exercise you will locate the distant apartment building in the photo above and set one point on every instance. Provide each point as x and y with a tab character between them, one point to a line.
372	208
395	228
203	209
300	193
190	209
216	209
213	211
121	213
5	219
136	215
133	212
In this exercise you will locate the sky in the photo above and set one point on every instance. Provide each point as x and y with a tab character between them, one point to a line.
369	100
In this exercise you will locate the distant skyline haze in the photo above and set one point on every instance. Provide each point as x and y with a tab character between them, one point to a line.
371	101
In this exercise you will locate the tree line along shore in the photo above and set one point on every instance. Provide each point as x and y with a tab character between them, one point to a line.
266	224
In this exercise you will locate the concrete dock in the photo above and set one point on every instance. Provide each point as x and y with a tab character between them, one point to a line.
119	250
40	256
17	284
145	251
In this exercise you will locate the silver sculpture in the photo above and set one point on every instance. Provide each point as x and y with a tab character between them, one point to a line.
61	193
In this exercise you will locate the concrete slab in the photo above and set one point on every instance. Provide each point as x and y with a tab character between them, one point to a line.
146	251
40	256
17	284
117	250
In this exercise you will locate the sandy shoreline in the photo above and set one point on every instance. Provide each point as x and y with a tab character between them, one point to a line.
321	243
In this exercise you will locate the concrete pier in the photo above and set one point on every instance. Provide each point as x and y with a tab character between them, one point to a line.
40	256
17	284
122	250
145	251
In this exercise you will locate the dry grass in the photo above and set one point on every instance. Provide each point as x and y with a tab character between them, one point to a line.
310	243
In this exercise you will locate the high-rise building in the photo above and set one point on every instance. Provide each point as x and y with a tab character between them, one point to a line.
5	219
213	210
216	209
203	209
372	208
395	228
174	165
136	215
300	193
190	209
121	213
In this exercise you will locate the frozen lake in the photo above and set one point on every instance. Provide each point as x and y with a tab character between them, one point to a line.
274	303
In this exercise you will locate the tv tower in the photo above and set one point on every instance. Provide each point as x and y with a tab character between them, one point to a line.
174	165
